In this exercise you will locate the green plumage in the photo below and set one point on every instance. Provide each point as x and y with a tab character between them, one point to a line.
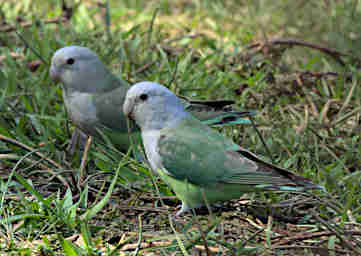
196	158
94	98
196	161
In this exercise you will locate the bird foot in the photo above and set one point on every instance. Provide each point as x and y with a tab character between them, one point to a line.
78	142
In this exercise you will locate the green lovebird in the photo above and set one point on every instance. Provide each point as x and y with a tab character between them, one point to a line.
94	98
194	160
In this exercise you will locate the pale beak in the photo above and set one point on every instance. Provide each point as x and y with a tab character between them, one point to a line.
54	74
128	108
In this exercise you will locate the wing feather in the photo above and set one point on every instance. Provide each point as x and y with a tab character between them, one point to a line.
194	152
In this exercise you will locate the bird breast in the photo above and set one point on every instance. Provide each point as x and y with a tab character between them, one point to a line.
82	111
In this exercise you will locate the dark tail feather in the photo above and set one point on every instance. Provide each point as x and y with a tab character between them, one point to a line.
230	118
291	187
299	183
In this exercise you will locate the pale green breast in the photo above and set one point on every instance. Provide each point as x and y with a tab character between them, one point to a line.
193	151
81	110
193	195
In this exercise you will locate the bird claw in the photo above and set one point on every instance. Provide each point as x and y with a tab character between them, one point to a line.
78	141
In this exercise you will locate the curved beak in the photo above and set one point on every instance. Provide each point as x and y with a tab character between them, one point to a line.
128	108
54	74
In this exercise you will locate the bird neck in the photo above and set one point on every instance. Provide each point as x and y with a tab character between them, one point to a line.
111	82
97	79
168	118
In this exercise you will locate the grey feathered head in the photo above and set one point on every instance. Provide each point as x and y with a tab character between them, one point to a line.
152	105
78	69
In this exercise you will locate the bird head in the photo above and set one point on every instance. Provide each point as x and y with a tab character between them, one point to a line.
78	69
152	106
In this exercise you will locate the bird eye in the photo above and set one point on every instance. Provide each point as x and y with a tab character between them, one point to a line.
143	97
70	61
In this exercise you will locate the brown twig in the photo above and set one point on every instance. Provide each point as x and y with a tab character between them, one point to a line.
318	75
301	237
155	244
143	209
346	242
326	250
11	54
28	148
27	24
291	42
145	67
16	157
191	36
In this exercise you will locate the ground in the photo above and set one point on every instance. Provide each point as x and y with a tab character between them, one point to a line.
296	64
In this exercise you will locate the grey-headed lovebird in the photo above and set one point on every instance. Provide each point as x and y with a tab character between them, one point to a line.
94	98
200	164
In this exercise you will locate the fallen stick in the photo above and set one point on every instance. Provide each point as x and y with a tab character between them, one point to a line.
333	53
27	24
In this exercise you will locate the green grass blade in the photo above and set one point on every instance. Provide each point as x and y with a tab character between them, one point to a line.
89	214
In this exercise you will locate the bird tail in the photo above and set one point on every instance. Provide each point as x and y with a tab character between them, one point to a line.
230	118
281	179
292	187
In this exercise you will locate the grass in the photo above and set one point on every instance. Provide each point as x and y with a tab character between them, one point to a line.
309	120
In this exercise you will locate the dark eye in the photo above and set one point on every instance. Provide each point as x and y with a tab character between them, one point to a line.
143	97
70	61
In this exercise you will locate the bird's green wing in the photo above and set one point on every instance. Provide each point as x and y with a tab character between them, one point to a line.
109	109
109	103
112	82
219	112
111	123
193	152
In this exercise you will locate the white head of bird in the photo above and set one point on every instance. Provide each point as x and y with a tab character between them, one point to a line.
78	69
153	106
